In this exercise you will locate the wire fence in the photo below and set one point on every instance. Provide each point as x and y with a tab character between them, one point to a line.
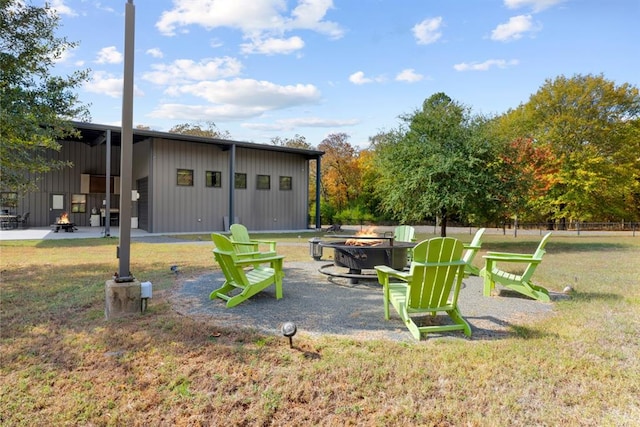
577	228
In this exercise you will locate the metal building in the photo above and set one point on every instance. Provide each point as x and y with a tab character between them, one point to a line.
181	183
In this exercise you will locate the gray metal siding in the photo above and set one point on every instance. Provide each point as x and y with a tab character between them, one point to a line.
272	209
187	209
203	209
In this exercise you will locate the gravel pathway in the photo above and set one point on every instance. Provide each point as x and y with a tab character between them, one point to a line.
321	306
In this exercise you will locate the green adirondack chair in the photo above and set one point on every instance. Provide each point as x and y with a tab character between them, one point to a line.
518	282
470	253
405	233
244	244
428	287
246	274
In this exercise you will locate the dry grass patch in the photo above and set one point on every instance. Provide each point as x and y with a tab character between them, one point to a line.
63	364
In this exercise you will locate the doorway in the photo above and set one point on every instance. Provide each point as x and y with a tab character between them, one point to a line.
56	207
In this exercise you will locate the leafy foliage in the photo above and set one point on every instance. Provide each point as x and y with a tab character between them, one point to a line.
36	107
298	141
589	129
194	129
439	165
340	172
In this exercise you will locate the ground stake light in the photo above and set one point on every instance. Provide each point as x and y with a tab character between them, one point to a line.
289	330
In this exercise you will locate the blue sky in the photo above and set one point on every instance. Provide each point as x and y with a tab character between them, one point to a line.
265	68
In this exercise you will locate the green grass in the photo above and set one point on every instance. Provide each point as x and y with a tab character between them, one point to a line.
63	364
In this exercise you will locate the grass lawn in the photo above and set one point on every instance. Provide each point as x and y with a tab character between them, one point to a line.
63	364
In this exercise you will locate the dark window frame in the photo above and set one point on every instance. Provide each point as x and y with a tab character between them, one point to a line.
263	182
78	203
215	182
286	183
184	177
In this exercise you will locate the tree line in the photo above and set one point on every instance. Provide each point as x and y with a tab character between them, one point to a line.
569	154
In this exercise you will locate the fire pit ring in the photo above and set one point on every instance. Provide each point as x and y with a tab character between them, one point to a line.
365	257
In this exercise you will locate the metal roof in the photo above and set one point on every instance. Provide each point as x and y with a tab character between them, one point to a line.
95	134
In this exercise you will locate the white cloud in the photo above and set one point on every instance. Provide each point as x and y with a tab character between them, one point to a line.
104	84
272	46
428	31
486	65
61	9
193	112
514	29
292	124
109	55
187	70
409	75
253	18
107	84
250	94
358	78
155	52
536	5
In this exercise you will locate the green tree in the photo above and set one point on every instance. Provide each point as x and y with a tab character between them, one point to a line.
590	127
298	141
439	164
194	129
35	106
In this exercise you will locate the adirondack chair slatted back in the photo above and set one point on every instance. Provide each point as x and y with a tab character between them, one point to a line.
471	251
226	257
537	255
434	279
244	244
240	234
404	233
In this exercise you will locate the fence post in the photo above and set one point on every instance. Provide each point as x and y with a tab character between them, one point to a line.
578	227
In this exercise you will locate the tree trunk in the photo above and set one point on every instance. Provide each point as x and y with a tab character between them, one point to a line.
443	223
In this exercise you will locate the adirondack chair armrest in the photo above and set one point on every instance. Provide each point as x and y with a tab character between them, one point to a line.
235	242
469	246
271	243
259	260
491	253
513	258
390	272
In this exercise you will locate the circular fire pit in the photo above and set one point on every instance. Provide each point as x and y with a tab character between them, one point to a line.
359	253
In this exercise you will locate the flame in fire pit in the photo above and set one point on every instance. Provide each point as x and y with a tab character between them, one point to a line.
368	233
64	218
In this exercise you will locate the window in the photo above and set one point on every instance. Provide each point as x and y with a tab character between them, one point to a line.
285	183
185	177
213	179
240	180
263	182
78	203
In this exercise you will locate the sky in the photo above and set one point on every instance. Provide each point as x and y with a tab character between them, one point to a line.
261	69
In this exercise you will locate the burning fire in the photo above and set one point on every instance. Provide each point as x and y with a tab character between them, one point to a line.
64	218
367	232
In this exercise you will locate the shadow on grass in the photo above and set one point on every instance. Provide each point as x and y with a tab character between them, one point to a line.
500	329
595	296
